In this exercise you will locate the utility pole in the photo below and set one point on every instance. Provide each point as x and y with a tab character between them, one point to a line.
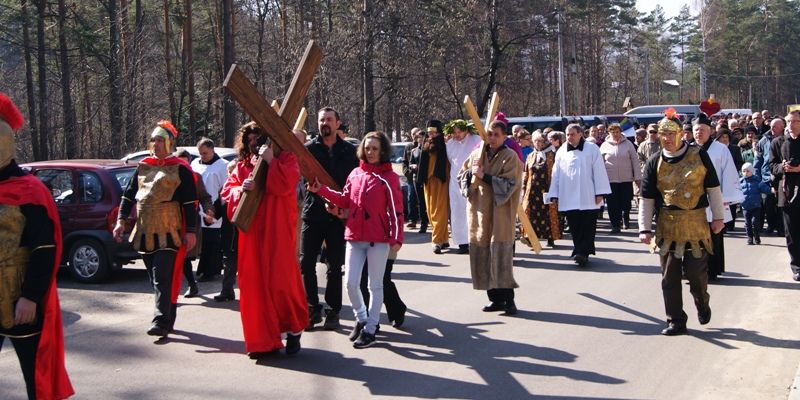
562	99
577	88
703	31
646	75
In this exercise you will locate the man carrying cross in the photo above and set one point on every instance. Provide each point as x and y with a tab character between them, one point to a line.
338	159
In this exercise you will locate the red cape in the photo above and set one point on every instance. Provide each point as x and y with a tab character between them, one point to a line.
272	297
177	268
51	377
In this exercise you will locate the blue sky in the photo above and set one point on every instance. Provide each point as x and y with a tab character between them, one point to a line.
671	8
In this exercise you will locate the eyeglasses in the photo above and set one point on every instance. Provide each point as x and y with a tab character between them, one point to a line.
652	131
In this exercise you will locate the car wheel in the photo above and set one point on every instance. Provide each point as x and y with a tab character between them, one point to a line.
88	261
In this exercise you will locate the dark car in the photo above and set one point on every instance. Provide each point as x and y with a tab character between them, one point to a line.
226	153
87	194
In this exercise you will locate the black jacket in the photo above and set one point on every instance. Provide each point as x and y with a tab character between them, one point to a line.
338	161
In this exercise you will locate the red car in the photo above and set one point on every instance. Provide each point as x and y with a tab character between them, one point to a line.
87	194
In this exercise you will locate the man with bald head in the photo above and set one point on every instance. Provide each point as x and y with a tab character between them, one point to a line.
763	155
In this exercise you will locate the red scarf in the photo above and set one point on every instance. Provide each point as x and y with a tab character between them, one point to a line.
51	377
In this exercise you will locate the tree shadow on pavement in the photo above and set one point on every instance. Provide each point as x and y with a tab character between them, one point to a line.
208	344
596	264
730	280
415	276
496	361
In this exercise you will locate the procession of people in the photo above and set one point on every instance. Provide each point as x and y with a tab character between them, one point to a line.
471	191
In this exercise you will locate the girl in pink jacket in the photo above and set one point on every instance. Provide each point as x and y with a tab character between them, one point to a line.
374	225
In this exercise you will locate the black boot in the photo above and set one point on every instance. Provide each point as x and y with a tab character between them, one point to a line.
292	344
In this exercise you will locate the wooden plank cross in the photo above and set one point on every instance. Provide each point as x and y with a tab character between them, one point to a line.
527	228
278	126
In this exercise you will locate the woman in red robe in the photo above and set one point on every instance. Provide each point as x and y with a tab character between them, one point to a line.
272	297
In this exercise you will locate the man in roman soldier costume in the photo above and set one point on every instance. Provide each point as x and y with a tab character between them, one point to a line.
680	181
30	251
164	194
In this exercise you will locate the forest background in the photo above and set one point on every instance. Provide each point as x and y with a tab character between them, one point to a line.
93	77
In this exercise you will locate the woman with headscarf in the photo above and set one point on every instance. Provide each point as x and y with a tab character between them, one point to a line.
535	183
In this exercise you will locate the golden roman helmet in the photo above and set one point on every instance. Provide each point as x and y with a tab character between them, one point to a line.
168	132
669	125
10	121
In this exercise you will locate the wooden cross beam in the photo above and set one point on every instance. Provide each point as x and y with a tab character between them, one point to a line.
527	228
278	126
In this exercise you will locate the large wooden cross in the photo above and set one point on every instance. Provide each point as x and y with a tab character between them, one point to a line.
527	228
278	126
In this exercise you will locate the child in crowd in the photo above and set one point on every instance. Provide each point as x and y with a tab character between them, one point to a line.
752	187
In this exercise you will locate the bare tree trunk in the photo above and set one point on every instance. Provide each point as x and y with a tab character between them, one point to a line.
189	68
26	44
70	144
368	100
132	79
495	52
168	62
229	112
115	81
44	117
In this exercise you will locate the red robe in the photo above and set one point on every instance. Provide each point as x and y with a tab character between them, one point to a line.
177	268
272	297
50	376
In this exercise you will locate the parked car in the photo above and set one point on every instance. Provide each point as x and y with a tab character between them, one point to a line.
227	153
533	123
398	150
87	194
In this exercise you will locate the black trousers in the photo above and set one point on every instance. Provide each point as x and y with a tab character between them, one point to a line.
210	257
423	210
313	234
160	265
500	295
731	225
229	243
672	269
582	228
751	218
619	203
187	272
716	261
772	214
26	353
791	221
395	307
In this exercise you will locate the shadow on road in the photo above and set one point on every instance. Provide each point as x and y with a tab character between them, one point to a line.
415	276
435	340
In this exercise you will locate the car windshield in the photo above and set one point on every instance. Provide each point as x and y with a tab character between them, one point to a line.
397	152
123	176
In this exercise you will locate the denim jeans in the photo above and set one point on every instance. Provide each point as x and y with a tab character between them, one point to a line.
375	254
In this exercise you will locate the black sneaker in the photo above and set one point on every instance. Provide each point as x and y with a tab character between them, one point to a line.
365	339
191	292
757	240
437	249
356	331
292	344
463	249
157	330
331	320
446	245
314	315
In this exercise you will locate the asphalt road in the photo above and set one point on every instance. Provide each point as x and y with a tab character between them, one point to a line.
580	334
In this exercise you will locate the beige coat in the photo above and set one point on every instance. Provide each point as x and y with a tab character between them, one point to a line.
491	216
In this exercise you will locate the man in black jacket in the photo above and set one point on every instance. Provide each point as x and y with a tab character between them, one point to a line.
338	158
784	164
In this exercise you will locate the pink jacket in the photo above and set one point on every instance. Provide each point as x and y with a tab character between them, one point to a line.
372	193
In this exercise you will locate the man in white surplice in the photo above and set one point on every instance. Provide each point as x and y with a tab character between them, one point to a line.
728	176
577	187
459	147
